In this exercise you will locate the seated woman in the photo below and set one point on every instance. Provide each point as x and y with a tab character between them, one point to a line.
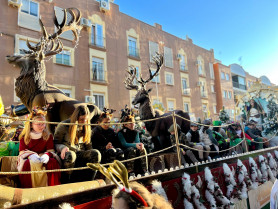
73	143
105	139
129	139
36	153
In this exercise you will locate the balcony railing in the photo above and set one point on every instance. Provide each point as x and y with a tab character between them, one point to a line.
133	52
186	91
99	75
98	41
239	86
204	94
183	67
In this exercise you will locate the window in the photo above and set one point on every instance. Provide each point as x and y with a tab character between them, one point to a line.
99	100
168	57
132	47
211	71
185	89
97	35
30	7
204	107
230	95
22	45
64	57
212	88
200	67
153	48
67	92
214	109
203	90
222	75
98	70
227	77
170	105
156	78
182	63
135	82
169	79
186	107
225	94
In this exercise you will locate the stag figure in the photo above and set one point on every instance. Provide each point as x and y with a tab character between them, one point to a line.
157	128
31	86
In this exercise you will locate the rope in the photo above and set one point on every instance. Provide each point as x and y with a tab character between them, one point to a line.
81	168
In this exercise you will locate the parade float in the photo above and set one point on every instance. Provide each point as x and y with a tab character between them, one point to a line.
234	181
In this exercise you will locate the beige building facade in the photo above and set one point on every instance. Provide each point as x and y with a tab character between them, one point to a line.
95	68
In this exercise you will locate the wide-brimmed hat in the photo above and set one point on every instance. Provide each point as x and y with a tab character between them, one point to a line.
193	124
171	129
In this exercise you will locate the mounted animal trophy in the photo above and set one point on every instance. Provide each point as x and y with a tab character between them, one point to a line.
31	86
157	128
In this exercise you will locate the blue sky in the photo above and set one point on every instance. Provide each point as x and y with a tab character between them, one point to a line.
233	28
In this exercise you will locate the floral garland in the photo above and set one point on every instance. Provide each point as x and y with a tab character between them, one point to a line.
191	193
255	172
158	189
229	179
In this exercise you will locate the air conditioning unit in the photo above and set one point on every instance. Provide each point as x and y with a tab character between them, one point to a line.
85	22
104	5
179	56
90	99
15	3
199	83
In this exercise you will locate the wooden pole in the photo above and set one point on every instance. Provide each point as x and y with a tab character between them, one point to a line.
177	139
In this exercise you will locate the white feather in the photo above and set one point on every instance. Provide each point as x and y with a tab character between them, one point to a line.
65	206
158	189
209	179
186	185
187	204
210	199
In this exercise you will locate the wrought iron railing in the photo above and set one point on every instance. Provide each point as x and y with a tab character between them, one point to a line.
133	52
98	41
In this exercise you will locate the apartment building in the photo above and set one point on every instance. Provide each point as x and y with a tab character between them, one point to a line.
94	70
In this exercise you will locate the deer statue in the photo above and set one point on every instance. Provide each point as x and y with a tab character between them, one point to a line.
31	86
157	128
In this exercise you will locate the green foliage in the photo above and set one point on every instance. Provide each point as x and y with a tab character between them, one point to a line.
271	121
223	115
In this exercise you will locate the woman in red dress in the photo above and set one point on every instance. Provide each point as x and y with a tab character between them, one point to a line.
37	153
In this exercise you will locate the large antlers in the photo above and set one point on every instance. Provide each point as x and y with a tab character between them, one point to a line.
158	60
51	44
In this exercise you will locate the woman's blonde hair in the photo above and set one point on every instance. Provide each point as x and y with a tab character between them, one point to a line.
154	201
79	111
28	127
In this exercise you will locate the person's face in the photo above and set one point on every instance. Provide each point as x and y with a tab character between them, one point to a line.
194	128
83	119
130	126
106	125
37	126
252	102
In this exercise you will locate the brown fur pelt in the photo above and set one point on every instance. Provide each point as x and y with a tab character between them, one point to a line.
154	201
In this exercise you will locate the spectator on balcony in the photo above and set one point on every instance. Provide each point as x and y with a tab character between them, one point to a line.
105	139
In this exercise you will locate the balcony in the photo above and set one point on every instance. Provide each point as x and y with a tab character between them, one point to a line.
239	86
204	94
99	75
98	41
186	92
183	67
133	52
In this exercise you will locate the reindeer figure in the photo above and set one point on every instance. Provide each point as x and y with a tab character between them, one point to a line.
31	86
157	128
